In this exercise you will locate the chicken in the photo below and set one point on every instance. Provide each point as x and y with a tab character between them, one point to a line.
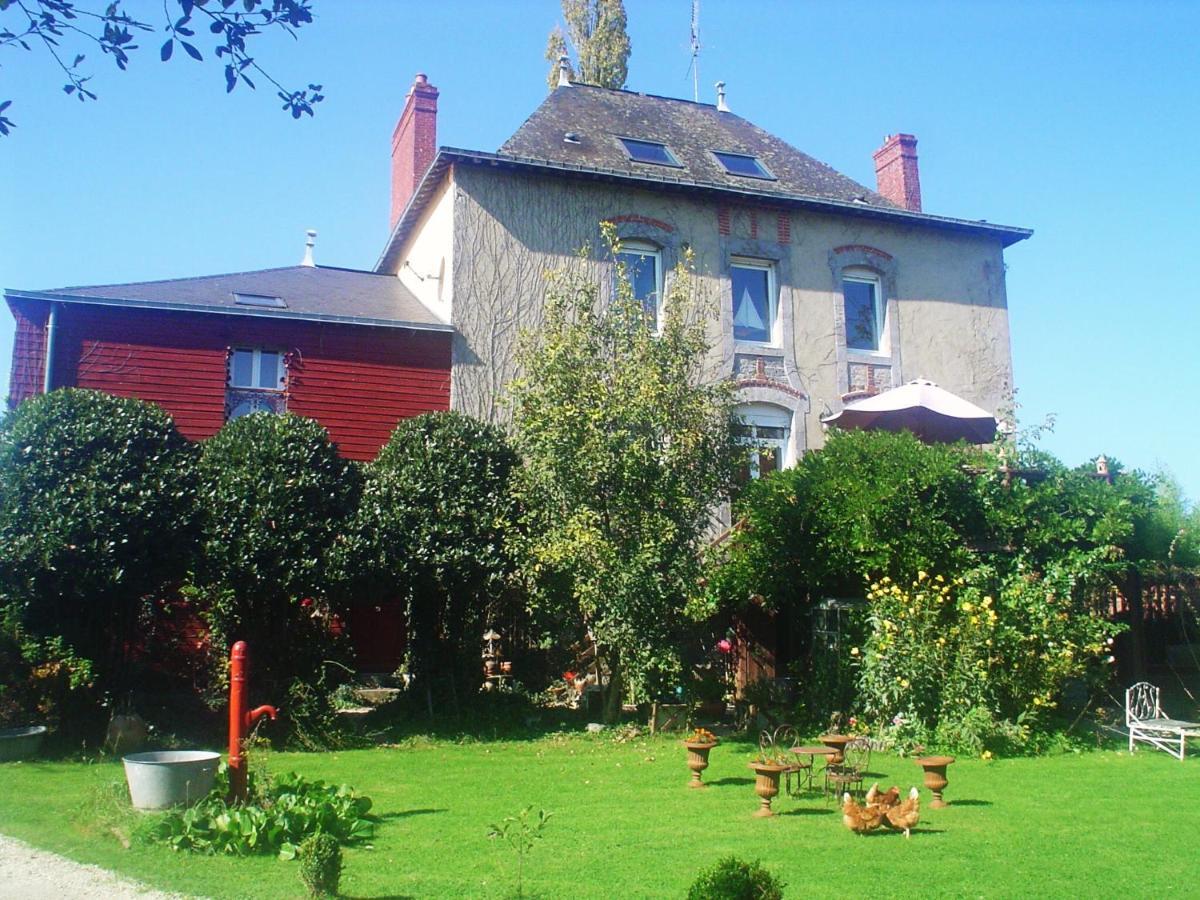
860	819
906	815
886	800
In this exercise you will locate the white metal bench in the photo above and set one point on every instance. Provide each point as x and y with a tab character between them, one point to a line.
1145	720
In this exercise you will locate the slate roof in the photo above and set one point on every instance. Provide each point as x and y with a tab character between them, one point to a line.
599	116
313	293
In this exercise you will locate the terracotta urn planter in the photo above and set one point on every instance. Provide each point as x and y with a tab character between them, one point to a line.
766	785
837	743
698	760
935	777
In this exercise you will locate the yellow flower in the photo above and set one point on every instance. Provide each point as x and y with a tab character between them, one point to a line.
854	651
903	682
967	607
939	578
922	575
974	620
986	755
987	601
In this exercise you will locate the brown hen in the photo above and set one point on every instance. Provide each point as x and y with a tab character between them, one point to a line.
860	819
905	816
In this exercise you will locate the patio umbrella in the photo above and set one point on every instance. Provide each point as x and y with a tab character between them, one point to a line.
931	413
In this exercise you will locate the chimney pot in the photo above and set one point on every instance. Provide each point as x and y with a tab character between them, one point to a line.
896	171
722	106
564	71
310	241
414	143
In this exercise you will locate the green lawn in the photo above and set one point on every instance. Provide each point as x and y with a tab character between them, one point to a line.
625	825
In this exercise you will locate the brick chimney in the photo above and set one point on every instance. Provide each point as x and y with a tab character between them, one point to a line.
414	143
896	171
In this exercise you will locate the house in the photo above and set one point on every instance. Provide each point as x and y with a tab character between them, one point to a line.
825	289
354	350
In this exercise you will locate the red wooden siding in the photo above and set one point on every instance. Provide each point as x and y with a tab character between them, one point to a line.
357	381
29	350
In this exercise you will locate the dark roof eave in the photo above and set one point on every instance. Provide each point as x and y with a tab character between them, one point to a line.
447	156
164	306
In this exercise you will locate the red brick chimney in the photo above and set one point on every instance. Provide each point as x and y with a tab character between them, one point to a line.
414	143
896	171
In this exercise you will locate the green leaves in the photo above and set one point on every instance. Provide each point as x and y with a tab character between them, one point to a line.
290	810
433	527
626	452
96	512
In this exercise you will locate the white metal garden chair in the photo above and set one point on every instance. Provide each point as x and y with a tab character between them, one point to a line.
1145	720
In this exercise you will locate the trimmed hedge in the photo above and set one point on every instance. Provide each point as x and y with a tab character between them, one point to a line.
96	516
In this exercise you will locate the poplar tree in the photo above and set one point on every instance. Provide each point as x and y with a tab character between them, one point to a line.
597	31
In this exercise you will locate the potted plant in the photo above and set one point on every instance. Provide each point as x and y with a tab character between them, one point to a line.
767	768
698	744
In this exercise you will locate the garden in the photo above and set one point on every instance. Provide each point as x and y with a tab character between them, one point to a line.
570	615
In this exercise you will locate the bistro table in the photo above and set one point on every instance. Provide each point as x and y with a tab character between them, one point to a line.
810	767
837	742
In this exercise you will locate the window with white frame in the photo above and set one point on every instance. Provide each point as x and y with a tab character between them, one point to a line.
642	262
765	429
863	304
256	382
755	306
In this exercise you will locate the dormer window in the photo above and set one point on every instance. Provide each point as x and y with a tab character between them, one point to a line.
741	164
649	152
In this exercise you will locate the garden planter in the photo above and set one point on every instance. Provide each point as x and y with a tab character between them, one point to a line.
21	743
170	777
698	760
766	785
935	777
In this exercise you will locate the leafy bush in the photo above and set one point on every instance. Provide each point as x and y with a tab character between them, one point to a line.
274	496
321	865
96	515
285	812
732	878
433	527
975	665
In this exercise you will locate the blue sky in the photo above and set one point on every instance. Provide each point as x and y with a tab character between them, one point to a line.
1076	119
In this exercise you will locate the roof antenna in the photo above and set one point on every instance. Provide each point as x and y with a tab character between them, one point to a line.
696	50
722	106
308	249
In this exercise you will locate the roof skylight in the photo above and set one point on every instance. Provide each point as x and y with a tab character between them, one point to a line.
649	152
261	300
741	164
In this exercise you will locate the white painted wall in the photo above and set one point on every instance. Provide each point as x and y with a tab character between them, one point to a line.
427	268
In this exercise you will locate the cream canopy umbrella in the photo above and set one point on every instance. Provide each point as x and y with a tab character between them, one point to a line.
931	413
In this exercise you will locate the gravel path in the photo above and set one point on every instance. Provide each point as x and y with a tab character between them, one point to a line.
30	874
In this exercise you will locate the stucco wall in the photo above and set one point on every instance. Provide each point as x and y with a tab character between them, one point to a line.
947	312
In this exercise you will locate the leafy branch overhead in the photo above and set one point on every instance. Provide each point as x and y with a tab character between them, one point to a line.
56	25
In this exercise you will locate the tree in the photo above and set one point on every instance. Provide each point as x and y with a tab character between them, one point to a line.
432	528
50	24
596	29
274	496
96	517
626	453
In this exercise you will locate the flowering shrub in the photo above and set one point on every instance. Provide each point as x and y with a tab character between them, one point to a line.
974	664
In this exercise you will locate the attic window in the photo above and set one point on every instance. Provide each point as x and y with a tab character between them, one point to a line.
649	152
571	138
260	300
741	164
